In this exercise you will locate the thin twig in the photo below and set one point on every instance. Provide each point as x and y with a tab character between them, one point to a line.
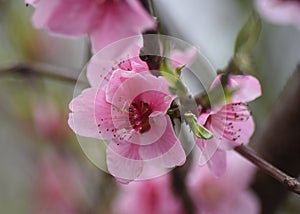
151	8
39	69
277	141
150	52
291	183
180	188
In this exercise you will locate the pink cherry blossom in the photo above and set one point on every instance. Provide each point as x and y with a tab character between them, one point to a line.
228	194
60	185
49	121
129	110
148	197
231	124
280	11
105	21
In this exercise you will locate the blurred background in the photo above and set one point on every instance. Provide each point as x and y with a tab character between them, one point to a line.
41	164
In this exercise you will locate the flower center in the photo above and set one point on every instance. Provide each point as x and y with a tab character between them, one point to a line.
139	116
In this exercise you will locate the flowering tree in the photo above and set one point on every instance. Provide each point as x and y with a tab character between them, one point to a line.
151	111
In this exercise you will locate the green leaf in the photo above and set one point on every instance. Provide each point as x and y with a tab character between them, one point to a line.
173	90
173	77
198	130
179	69
248	35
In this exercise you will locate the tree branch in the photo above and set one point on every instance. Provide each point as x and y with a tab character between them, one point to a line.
291	183
278	142
42	70
179	186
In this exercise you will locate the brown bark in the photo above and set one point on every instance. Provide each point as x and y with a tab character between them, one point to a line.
278	142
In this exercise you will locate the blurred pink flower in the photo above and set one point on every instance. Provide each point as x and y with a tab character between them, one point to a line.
153	196
129	110
227	194
231	124
49	121
105	21
280	11
59	185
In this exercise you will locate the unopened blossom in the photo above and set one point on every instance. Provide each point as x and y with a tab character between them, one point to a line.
228	194
285	12
231	124
129	110
105	21
148	197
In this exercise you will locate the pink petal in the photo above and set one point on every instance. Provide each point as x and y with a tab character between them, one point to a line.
247	130
172	158
117	78
167	150
231	126
123	161
100	68
118	56
158	198
244	202
43	12
159	101
233	180
279	12
185	57
137	85
134	63
217	163
128	18
248	87
34	3
73	17
202	119
82	119
103	114
210	146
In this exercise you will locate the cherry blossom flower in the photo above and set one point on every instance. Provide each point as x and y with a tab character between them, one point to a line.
105	21
129	110
228	194
148	197
280	11
60	185
48	121
231	124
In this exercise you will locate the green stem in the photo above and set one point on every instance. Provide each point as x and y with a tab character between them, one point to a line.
151	8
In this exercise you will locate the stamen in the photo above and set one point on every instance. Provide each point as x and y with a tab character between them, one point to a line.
139	113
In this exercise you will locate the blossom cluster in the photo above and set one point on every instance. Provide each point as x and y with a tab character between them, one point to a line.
210	195
130	109
127	106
